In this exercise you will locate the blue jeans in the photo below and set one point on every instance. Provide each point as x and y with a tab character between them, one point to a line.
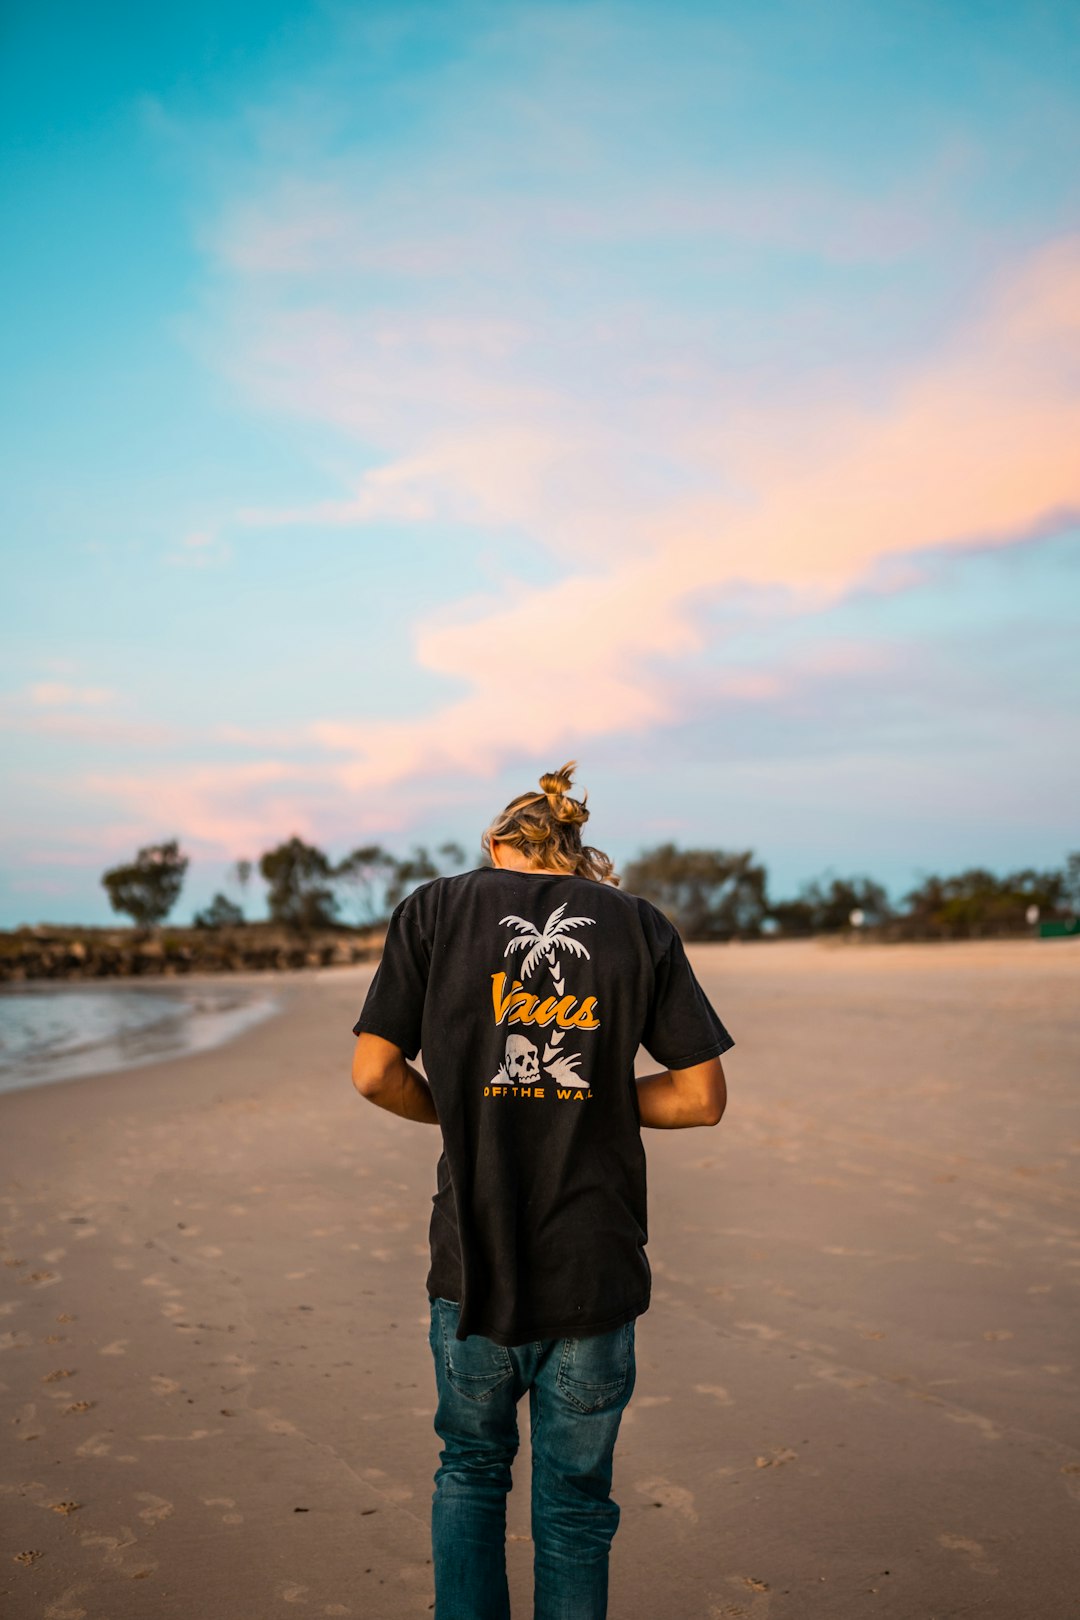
578	1390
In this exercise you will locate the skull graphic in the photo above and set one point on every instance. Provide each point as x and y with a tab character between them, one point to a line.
522	1060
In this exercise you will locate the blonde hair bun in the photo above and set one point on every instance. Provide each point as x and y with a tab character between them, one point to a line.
556	785
545	827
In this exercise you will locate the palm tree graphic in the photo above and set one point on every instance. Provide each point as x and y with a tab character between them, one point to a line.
544	946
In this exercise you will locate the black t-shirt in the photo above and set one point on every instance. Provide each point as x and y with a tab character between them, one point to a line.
529	994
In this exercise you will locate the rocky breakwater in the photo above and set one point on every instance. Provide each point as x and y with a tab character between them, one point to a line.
35	953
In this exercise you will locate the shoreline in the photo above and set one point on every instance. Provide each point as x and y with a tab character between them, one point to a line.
102	1027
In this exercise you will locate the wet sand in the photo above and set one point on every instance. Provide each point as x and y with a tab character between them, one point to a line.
857	1384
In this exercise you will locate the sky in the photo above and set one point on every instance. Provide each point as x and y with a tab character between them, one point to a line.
404	399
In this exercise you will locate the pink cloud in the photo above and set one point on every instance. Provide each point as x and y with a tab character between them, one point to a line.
970	446
223	807
79	714
60	694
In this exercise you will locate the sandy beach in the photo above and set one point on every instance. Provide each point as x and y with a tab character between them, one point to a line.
857	1384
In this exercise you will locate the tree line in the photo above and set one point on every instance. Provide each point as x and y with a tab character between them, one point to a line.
710	894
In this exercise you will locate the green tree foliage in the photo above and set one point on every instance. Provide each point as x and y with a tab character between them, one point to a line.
220	913
299	878
148	888
825	908
976	904
707	893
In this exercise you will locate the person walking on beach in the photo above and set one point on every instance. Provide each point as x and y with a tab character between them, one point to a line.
529	986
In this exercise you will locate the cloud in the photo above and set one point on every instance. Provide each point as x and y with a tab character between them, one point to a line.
200	548
969	447
59	694
618	372
85	714
220	807
779	510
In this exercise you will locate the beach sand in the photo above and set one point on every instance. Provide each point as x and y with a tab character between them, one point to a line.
857	1384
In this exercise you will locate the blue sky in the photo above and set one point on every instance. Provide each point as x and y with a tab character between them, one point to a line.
405	399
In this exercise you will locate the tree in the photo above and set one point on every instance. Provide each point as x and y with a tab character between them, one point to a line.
821	909
220	913
976	903
796	917
366	871
1070	885
707	893
380	880
241	876
420	868
298	876
148	888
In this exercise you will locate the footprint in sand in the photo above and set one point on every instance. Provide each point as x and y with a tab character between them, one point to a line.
665	1494
156	1509
96	1446
226	1502
778	1458
116	1550
976	1553
67	1605
717	1391
762	1330
154	1281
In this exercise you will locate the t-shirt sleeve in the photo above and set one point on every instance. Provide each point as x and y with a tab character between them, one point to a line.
394	1006
683	1027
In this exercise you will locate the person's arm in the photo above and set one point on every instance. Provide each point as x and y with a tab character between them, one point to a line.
381	1074
695	1096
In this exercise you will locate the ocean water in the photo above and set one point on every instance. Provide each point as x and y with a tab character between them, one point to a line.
60	1033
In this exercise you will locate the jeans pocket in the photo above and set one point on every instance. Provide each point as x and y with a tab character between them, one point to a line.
595	1372
475	1367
